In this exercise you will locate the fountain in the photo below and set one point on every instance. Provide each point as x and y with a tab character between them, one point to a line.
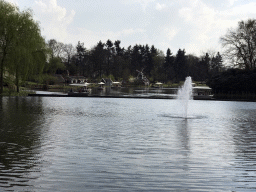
184	95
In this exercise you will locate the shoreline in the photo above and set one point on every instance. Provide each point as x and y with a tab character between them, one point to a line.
128	97
136	97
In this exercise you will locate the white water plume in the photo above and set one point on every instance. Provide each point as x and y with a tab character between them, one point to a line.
185	94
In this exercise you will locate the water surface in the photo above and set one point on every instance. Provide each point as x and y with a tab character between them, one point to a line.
101	144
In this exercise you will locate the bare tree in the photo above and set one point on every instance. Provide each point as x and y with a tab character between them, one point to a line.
57	48
69	51
240	44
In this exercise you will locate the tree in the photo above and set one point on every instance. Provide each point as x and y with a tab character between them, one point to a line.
147	59
158	69
216	64
55	64
110	53
234	81
57	48
240	44
69	51
99	58
205	66
81	57
21	43
135	60
180	65
194	67
118	49
168	65
8	19
30	48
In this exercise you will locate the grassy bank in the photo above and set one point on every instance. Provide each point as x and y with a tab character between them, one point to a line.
12	92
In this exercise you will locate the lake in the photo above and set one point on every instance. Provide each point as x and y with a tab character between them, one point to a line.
121	144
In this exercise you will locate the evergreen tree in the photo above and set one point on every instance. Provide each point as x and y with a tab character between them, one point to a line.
180	66
110	56
81	58
216	64
99	58
194	67
118	49
168	66
135	60
148	62
204	67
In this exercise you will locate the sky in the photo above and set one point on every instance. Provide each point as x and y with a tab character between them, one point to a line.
193	25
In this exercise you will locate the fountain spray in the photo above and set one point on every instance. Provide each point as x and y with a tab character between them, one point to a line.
185	94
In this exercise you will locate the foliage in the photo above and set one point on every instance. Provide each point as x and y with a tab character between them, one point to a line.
54	64
240	44
21	43
12	92
110	58
180	65
33	56
234	81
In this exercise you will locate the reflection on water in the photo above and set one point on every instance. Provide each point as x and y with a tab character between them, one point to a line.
136	92
19	140
97	144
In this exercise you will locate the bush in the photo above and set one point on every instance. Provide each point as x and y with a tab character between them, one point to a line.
234	81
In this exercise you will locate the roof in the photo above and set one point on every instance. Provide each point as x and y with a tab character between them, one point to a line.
202	88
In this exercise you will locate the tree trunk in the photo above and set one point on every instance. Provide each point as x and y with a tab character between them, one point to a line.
1	77
17	79
2	73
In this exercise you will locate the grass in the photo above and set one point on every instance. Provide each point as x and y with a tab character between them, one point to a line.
12	92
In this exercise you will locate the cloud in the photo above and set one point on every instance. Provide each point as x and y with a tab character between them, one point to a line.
231	2
194	25
207	24
57	23
186	13
241	10
143	3
171	33
54	19
202	21
160	7
131	31
91	38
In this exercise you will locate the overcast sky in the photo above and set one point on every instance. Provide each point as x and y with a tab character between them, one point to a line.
193	25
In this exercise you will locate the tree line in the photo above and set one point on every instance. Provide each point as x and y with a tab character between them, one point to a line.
110	59
26	55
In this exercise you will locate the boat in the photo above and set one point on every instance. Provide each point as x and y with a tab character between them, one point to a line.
83	91
78	94
202	93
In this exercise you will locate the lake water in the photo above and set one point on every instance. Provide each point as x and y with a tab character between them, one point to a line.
107	144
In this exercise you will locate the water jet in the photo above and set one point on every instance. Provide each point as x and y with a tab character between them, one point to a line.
185	94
